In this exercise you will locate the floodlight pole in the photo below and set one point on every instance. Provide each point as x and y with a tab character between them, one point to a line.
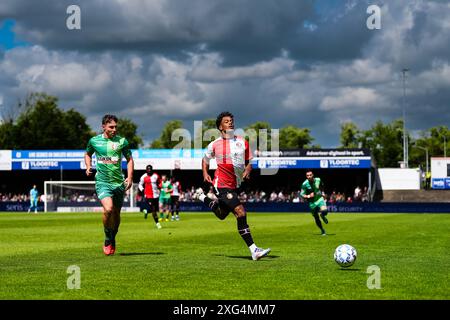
426	155
405	138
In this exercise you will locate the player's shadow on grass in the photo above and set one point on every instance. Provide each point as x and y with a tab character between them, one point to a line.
328	234
140	253
246	257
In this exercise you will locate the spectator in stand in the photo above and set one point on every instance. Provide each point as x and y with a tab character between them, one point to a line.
262	196
273	196
349	200
187	196
340	197
365	195
333	197
281	197
357	194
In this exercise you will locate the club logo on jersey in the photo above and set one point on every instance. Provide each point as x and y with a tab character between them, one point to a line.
238	144
114	145
229	196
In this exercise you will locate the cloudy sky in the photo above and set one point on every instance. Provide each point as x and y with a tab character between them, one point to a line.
312	64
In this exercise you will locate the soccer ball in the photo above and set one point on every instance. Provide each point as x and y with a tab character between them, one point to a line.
345	255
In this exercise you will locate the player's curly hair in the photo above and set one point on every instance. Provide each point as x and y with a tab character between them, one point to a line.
108	118
221	116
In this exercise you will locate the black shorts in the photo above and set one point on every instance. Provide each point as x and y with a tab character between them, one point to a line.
153	203
228	198
175	199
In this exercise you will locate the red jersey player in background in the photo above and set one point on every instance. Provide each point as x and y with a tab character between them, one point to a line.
149	185
175	198
233	155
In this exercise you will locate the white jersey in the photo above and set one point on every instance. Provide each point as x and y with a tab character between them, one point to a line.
176	188
150	185
231	156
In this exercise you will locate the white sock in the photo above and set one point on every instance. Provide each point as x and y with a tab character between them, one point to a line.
252	247
202	197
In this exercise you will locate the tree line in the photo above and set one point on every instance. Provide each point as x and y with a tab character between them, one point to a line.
38	123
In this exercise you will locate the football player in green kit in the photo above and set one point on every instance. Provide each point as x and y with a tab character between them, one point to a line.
311	191
164	197
110	184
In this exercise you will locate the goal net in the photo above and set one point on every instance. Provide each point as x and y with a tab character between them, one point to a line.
80	196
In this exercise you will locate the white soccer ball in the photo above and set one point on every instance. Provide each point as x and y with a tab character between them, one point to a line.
345	255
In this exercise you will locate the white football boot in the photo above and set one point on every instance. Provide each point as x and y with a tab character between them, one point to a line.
260	253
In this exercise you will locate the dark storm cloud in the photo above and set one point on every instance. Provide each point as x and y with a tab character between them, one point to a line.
285	62
243	31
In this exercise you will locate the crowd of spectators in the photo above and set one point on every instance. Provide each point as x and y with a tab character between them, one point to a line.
284	196
359	195
14	197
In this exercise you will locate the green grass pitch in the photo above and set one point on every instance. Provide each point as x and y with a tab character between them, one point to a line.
201	257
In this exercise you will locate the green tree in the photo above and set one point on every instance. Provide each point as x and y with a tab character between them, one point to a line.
259	134
128	129
79	131
7	135
433	140
350	135
292	137
439	136
43	125
385	143
165	141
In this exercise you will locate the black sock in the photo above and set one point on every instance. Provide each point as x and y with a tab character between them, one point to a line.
318	222
244	230
109	236
113	241
155	217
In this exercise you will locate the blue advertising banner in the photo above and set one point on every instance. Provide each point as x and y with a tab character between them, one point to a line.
47	159
362	207
305	163
51	160
167	153
440	183
47	165
47	154
188	159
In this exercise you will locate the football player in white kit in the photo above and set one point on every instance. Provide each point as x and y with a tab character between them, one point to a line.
149	185
233	155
